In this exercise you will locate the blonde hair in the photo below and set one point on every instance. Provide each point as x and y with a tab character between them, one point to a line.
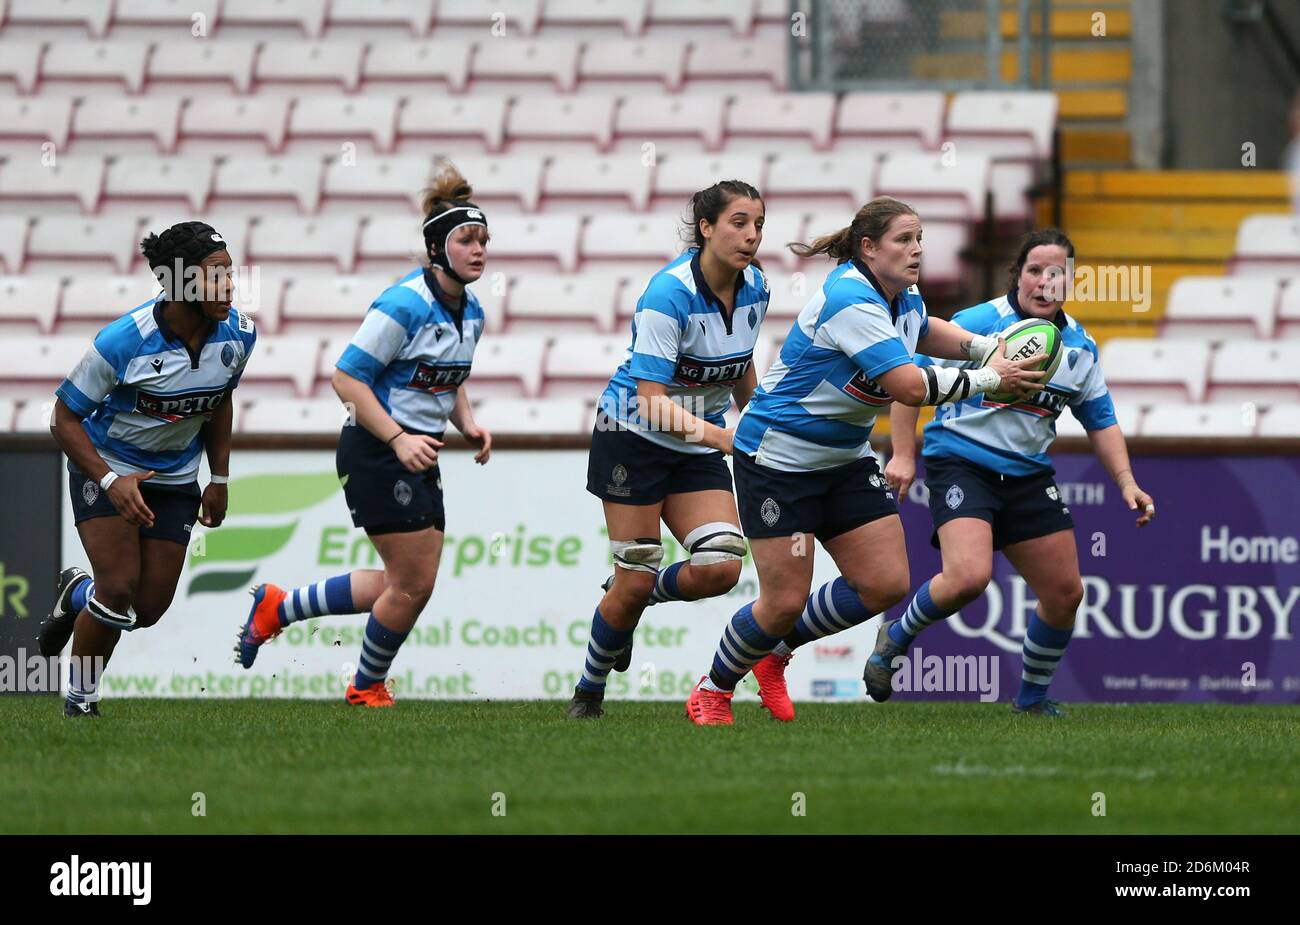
871	221
446	185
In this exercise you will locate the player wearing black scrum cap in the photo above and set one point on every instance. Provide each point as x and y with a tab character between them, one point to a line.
403	378
151	394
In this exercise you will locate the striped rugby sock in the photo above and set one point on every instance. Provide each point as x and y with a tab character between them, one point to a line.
919	614
83	678
742	646
378	650
832	608
665	588
603	648
80	594
1042	651
333	595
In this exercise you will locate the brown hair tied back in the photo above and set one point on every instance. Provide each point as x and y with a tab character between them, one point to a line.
708	204
871	221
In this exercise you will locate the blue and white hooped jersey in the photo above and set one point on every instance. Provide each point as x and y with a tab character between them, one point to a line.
414	350
143	396
1013	438
682	337
817	404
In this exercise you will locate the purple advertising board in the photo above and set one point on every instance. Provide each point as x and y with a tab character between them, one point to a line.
1203	604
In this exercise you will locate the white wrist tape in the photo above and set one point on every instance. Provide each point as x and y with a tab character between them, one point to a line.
218	479
108	479
982	347
946	384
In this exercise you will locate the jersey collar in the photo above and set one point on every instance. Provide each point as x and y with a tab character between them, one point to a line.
451	303
172	337
1058	319
896	305
710	297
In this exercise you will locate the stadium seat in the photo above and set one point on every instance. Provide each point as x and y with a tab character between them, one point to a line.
480	118
553	237
617	177
182	63
508	365
514	15
1144	371
416	15
20	63
75	238
680	176
545	299
169	13
565	415
1216	307
804	176
522	60
631	61
394	238
771	120
330	62
306	15
285	359
1266	373
1017	124
738	15
117	61
374	179
312	238
74	177
630	15
329	355
146	177
13	241
258	294
263	178
93	15
1267	243
28	301
906	118
1288	309
323	298
342	119
541	124
291	415
265	119
651	236
413	64
758	61
35	414
155	119
582	364
100	299
937	190
1281	421
663	118
46	119
508	177
42	361
8	409
787	294
781	225
1127	416
1176	420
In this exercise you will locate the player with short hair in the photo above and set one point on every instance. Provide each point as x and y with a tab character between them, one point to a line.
660	441
150	396
991	486
403	378
804	466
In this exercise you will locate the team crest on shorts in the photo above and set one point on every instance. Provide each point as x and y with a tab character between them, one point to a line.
770	512
90	492
1054	493
619	475
402	492
955	497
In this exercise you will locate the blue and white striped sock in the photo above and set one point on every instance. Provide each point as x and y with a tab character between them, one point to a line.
919	614
665	588
80	594
378	650
83	678
742	646
832	608
1042	651
332	595
603	648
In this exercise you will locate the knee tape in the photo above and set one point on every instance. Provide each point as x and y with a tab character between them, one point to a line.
711	544
109	617
640	555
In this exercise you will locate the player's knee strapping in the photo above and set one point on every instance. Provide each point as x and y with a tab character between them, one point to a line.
712	544
639	555
110	617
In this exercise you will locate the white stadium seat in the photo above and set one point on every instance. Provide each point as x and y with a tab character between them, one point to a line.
156	119
514	15
1016	124
544	121
379	178
1266	373
343	119
39	359
292	415
285	359
516	177
306	15
509	365
788	293
20	63
781	225
100	299
807	175
680	176
1288	309
630	60
416	15
75	238
13	241
29	300
228	62
1214	307
329	355
544	299
265	119
756	61
331	62
698	117
8	407
258	293
481	118
1222	421
1127	416
412	62
1282	421
173	13
91	14
117	61
582	364
35	415
773	119
554	237
144	176
651	236
628	14
46	119
937	190
904	116
1144	371
324	298
618	176
1267	244
395	238
73	177
565	415
318	238
514	59
296	178
739	14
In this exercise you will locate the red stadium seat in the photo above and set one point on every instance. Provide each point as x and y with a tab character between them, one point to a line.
226	62
788	293
101	119
27	120
393	239
781	225
77	178
1212	307
137	177
28	304
416	65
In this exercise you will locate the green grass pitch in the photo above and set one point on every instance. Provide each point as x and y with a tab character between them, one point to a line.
434	767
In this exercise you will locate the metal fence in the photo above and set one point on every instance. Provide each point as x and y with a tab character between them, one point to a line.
918	44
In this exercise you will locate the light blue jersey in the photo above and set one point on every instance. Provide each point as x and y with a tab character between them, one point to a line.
1013	438
683	337
817	404
143	395
414	350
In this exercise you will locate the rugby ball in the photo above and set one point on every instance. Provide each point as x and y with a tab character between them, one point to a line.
1028	338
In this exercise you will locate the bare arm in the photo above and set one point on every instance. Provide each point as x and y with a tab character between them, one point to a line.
416	452
953	342
743	390
123	491
216	442
1111	448
666	415
463	418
